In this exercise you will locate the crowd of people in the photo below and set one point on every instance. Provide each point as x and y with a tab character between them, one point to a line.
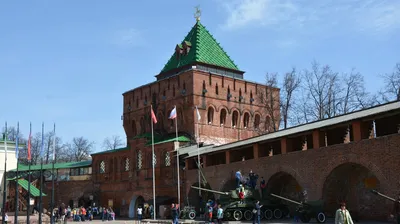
81	214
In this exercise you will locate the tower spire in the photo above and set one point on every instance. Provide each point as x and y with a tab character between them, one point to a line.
197	14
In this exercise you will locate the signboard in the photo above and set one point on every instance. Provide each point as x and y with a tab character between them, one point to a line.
31	201
110	203
91	197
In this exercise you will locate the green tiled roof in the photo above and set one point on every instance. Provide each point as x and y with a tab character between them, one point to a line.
111	151
56	166
34	191
204	48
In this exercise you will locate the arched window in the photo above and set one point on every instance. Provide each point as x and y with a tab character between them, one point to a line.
246	119
102	167
222	117
267	125
134	131
111	167
171	121
210	115
257	121
160	121
167	159
150	160
216	88
235	118
139	159
127	164
180	117
142	126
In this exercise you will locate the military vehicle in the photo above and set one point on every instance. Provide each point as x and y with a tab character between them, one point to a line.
235	209
307	210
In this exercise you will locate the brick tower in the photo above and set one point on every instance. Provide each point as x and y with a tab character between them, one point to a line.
199	75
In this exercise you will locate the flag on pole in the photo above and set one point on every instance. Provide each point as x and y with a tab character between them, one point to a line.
5	143
54	143
153	116
29	142
16	143
198	114
42	146
172	115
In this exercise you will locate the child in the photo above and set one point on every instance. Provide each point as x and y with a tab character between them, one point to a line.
6	218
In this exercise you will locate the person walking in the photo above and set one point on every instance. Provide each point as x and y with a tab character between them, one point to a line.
139	213
257	213
220	214
396	209
343	215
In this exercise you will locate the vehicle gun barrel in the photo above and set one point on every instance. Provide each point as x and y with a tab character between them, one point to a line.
385	196
286	199
203	189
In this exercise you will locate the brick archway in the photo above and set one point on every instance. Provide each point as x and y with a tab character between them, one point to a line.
352	183
353	158
268	174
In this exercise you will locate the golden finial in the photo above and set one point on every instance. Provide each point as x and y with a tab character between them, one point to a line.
197	14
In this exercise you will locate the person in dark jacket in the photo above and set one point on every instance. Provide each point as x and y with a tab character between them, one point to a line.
396	209
174	213
257	213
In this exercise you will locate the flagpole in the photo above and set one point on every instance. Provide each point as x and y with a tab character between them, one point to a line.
154	177
29	175
5	177
17	177
52	175
41	177
177	157
198	147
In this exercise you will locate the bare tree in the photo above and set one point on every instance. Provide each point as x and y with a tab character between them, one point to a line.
354	97
392	85
322	88
12	134
114	142
269	98
291	83
36	144
79	149
60	148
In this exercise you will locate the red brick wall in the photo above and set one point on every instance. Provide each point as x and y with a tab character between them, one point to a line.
311	169
193	81
121	186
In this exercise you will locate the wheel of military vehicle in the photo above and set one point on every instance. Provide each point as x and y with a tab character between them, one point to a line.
237	215
248	215
278	214
192	214
305	218
321	218
268	214
227	215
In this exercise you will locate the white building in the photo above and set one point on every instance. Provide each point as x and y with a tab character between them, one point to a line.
11	162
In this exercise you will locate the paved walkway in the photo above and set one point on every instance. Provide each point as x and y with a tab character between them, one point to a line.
46	220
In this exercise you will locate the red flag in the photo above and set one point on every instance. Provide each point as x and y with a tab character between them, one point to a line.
153	116
29	147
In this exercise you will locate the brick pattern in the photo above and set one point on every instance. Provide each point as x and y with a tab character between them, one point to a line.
311	169
168	93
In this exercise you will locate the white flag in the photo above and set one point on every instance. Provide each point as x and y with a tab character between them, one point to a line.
198	114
